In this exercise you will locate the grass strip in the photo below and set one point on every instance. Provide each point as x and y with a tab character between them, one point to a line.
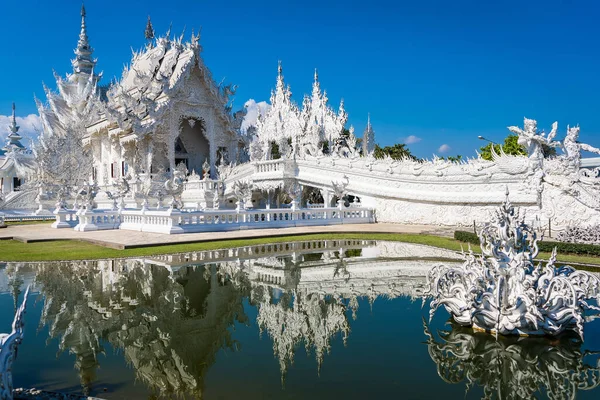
13	251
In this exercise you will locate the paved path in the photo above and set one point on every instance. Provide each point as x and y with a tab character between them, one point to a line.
122	239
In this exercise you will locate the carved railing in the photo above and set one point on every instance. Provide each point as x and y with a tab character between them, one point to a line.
65	218
274	169
22	218
206	185
173	221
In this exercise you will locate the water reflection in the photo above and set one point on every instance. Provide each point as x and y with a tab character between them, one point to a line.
169	317
514	367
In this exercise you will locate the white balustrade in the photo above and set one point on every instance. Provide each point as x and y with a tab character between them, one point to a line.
65	218
94	220
33	217
172	221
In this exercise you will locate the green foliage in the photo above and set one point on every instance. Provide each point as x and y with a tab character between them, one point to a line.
397	152
457	158
466	237
548	151
561	247
511	146
275	154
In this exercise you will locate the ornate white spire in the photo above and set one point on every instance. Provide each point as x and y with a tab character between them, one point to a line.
282	122
83	62
14	128
14	139
368	138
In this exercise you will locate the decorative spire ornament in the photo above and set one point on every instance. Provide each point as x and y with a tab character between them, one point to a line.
83	62
14	128
368	138
14	139
149	32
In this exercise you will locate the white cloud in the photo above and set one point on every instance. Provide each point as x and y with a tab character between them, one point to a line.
253	110
444	148
30	128
412	139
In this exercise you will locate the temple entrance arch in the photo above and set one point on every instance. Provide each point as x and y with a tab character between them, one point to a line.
191	145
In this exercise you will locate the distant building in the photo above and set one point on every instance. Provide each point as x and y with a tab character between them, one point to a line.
13	155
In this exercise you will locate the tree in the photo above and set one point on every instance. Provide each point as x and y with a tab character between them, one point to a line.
456	158
512	147
397	152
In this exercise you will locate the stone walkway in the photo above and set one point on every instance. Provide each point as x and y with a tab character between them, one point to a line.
122	239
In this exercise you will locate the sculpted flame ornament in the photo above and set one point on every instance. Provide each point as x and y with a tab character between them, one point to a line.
504	292
121	188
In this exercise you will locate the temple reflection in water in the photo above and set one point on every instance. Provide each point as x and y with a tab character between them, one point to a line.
169	316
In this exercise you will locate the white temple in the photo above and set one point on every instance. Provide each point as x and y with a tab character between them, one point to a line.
14	159
164	134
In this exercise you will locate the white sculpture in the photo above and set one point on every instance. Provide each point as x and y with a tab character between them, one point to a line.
119	193
580	234
243	193
572	148
8	349
340	191
174	186
504	292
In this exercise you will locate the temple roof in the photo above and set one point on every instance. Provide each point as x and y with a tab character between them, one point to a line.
157	73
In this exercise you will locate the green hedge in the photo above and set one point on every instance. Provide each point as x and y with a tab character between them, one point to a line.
561	247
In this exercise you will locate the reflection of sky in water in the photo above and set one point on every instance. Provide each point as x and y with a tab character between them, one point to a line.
224	322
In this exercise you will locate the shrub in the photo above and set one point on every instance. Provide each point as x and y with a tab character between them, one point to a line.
561	247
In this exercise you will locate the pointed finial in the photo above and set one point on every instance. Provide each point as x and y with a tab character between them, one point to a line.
368	119
279	68
13	127
316	75
169	31
149	32
84	62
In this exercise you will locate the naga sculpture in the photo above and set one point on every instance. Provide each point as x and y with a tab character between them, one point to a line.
504	292
8	350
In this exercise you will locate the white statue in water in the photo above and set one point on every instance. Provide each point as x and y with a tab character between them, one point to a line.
8	350
504	292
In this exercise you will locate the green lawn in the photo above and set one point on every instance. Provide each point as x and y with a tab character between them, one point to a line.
12	223
11	250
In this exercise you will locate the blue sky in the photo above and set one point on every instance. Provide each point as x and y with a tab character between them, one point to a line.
444	72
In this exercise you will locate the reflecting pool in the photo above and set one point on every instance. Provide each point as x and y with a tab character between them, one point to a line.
312	319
